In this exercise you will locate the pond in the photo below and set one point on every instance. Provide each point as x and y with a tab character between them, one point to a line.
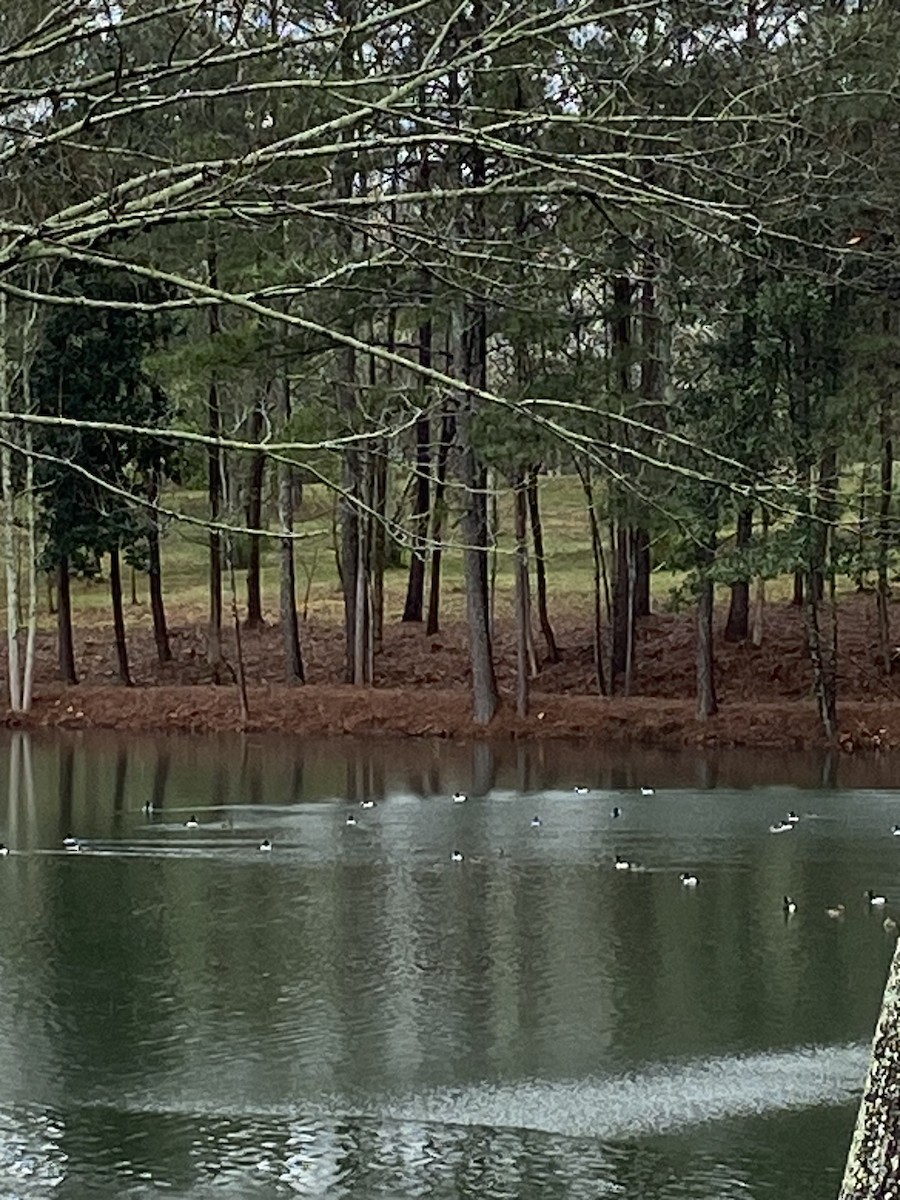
355	1014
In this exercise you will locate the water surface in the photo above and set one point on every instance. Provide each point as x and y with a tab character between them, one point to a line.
355	1014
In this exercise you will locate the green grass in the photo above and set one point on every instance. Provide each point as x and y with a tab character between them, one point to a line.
185	556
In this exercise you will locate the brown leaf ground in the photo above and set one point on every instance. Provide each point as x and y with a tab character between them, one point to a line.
421	686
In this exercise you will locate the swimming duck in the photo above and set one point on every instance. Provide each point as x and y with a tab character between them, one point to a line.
647	792
781	827
581	791
616	812
789	906
4	849
71	843
147	810
455	856
351	820
688	880
792	818
875	901
192	822
459	797
265	844
367	804
622	864
835	912
536	822
895	830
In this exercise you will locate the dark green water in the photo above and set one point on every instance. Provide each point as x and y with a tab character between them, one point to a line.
356	1015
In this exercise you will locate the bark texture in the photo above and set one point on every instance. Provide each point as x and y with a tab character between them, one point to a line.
873	1164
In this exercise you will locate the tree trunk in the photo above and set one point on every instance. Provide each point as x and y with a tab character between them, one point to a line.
290	626
623	599
238	639
871	1168
115	591
707	704
65	640
474	530
415	588
9	527
738	623
597	555
642	573
537	537
157	607
31	535
256	475
214	479
448	433
885	495
378	543
522	598
823	652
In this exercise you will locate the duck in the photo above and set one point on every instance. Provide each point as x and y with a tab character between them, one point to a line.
455	856
581	791
622	864
192	822
367	804
71	843
875	901
616	812
837	911
789	905
792	818
536	822
148	809
688	879
4	849
781	827
645	791
459	797
351	820
265	845
895	830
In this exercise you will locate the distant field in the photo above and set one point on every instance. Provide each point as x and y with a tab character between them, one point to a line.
566	535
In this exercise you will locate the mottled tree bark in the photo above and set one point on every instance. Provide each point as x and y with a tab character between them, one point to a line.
873	1163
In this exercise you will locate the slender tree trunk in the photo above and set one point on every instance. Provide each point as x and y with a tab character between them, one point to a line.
759	597
448	433
707	704
540	568
215	470
65	640
238	637
623	592
522	597
415	588
290	626
9	527
378	544
157	606
738	624
885	495
474	529
642	573
32	550
256	475
822	650
597	555
115	591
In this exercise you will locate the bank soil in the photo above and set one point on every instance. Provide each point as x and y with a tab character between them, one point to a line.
421	686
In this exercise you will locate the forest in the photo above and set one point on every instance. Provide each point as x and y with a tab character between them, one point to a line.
440	274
